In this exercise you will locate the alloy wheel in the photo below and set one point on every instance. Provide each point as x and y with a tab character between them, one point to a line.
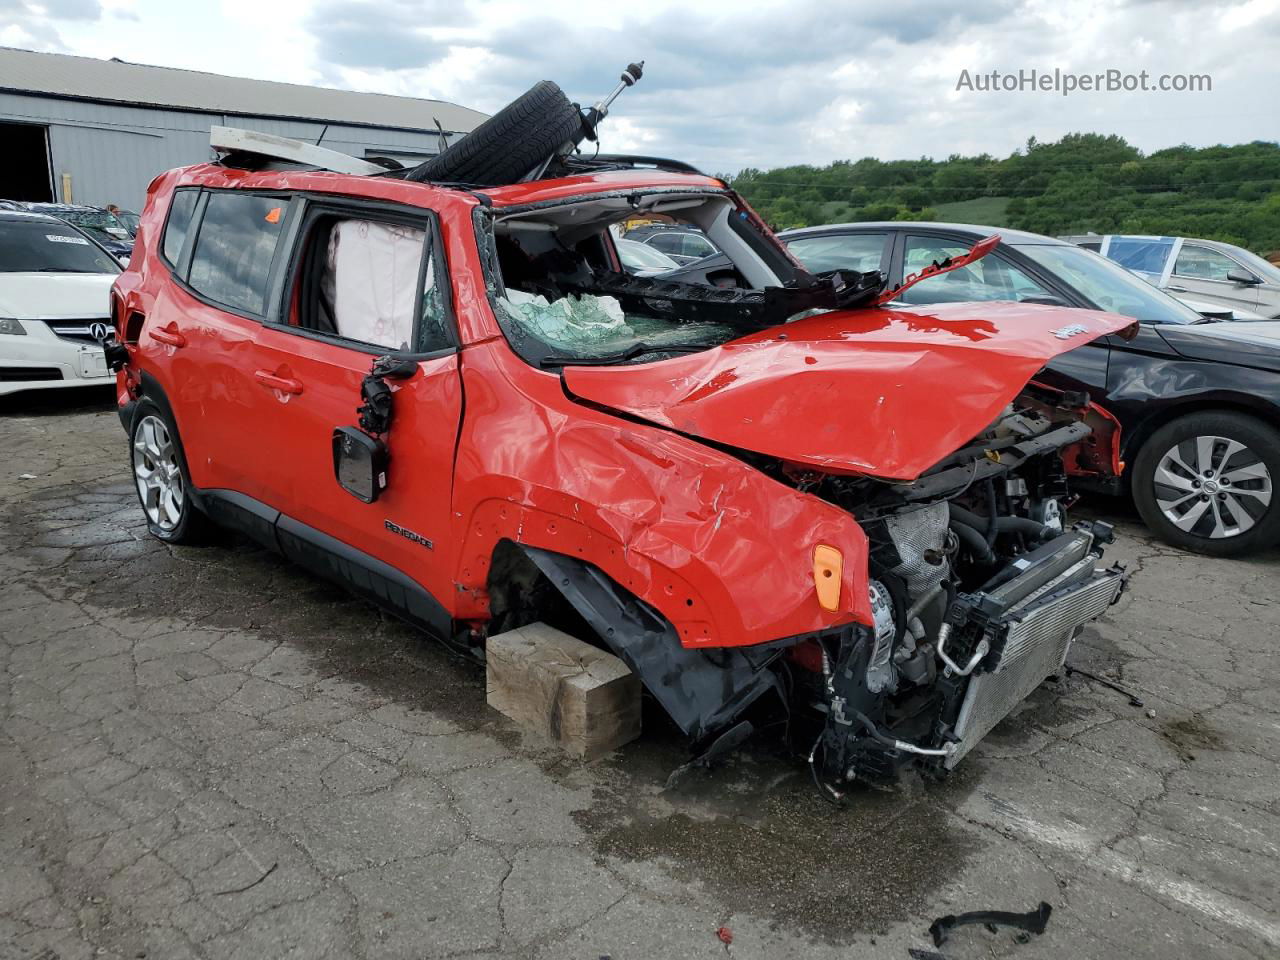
157	473
1212	487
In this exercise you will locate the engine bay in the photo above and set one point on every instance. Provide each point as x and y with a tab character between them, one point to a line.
978	586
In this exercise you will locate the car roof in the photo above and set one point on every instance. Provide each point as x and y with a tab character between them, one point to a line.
1198	241
566	188
64	207
30	217
1007	235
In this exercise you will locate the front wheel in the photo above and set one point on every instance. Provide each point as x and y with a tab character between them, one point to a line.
1204	482
159	473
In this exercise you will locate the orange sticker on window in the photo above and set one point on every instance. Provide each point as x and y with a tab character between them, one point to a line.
273	215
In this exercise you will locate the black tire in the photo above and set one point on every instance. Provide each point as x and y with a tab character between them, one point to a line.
1223	506
509	144
188	524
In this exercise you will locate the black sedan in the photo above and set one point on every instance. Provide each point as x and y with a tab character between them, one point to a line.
1198	400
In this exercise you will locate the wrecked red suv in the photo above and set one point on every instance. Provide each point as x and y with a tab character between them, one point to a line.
766	495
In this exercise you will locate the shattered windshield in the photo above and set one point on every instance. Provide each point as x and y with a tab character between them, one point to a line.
561	298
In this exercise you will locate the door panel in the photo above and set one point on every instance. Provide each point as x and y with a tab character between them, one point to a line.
294	441
202	329
202	356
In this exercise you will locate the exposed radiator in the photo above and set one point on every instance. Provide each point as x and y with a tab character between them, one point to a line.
1037	638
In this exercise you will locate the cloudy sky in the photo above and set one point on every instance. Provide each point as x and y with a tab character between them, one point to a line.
733	83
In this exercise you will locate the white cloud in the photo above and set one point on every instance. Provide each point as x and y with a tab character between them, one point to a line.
731	84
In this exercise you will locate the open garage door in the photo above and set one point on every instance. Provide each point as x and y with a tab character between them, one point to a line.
26	163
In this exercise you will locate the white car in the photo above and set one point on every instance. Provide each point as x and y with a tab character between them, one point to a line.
642	260
55	304
1214	278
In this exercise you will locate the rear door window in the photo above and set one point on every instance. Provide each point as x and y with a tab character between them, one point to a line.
234	250
1144	255
667	242
862	252
697	246
991	278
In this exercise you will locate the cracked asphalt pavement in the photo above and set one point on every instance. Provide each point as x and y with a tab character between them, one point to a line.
206	753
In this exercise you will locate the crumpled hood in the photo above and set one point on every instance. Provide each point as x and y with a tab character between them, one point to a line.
886	392
1250	343
55	296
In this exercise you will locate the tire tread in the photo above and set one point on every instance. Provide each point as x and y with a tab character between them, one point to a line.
509	144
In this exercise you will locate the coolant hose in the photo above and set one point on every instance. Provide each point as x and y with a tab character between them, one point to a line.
1032	528
993	527
1037	531
973	539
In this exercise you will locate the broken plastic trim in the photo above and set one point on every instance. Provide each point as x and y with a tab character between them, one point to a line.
1034	921
976	253
375	412
744	309
703	693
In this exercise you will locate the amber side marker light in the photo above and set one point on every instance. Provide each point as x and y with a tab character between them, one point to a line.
828	565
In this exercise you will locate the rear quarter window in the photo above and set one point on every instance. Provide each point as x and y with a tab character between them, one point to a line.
181	207
231	261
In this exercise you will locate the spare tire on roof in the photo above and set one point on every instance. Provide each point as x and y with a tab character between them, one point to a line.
514	141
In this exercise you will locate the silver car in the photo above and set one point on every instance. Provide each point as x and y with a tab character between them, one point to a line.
1196	271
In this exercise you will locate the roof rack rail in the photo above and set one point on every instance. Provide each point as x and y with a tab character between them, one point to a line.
235	142
610	161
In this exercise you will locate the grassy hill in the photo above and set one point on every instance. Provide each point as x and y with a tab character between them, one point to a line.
988	211
1085	181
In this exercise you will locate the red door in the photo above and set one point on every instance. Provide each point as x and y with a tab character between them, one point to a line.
201	330
309	387
202	357
364	280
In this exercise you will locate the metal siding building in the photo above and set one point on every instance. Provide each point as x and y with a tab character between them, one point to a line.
104	128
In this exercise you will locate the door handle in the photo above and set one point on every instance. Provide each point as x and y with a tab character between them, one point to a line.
169	335
274	382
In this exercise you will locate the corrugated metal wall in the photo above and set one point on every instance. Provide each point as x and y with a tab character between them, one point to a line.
112	152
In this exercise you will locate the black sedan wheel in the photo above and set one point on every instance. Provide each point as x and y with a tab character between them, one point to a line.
1205	482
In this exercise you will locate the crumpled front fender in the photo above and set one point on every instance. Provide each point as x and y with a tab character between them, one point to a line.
720	549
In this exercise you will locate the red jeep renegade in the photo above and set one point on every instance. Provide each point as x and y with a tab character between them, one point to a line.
771	492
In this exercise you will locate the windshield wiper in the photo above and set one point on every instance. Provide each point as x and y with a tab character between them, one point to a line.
62	270
631	353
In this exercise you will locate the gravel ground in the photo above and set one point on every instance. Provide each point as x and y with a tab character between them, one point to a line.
206	753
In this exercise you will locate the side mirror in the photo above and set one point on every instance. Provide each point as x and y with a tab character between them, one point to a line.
1243	276
359	463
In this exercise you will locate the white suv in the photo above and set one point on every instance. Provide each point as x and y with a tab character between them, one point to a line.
55	285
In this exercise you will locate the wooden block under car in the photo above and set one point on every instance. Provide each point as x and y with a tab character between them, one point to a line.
580	696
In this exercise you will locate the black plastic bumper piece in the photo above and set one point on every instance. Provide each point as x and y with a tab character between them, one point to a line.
702	691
